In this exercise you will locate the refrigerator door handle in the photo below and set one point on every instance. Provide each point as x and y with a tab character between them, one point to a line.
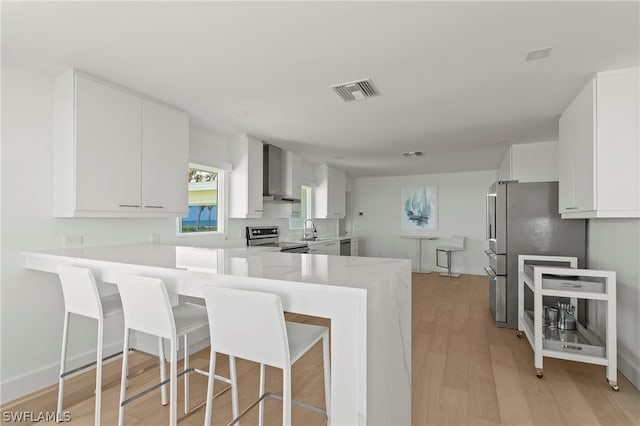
490	272
489	253
487	228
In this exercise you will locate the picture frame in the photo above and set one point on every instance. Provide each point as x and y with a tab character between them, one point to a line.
419	209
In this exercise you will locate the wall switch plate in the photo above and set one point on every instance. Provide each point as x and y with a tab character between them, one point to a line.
155	238
72	240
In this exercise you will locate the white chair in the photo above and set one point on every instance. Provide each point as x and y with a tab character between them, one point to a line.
456	244
147	309
81	297
251	325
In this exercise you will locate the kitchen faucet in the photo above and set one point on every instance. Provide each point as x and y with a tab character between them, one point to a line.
309	236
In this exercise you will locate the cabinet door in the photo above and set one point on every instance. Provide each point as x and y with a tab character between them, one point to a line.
336	203
254	191
107	148
618	146
292	174
165	159
576	187
583	148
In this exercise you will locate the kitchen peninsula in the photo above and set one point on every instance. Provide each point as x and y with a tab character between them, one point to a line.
368	301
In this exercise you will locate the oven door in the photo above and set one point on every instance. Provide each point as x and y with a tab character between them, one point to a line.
497	295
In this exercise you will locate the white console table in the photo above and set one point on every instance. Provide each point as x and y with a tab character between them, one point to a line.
580	344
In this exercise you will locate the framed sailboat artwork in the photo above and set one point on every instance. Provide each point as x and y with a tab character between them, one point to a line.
419	209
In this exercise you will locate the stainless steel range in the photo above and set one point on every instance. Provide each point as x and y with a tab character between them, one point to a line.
269	236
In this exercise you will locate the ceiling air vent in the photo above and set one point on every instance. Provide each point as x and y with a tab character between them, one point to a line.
410	154
532	55
355	90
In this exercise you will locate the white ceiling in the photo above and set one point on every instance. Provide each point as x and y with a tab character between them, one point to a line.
452	75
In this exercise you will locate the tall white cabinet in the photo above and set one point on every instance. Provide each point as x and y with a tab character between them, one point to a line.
245	195
116	152
330	193
599	152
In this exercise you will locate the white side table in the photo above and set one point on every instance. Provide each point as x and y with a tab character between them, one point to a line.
420	238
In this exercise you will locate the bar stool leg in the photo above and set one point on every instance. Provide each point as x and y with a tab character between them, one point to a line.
186	375
286	396
173	386
123	377
327	376
163	372
210	384
260	393
63	361
235	410
99	372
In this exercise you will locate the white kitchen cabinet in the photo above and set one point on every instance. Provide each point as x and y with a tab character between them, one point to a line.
330	247
530	162
599	153
330	193
292	174
99	156
165	159
245	195
354	247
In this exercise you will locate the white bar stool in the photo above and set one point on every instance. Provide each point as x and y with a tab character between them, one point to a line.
81	297
457	244
147	309
251	325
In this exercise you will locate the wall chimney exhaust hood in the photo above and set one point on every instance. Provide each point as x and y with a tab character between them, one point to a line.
273	176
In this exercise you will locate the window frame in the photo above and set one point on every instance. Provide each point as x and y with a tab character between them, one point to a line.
222	207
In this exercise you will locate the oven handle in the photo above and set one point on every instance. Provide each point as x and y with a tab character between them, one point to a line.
490	272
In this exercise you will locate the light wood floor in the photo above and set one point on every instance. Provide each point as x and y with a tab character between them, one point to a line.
465	371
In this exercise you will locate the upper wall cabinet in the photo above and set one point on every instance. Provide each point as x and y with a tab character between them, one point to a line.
330	193
530	162
116	153
292	174
599	153
245	195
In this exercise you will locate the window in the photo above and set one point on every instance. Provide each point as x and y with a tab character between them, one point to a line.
205	207
305	209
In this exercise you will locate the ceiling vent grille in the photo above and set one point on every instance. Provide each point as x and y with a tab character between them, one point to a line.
355	90
411	154
533	55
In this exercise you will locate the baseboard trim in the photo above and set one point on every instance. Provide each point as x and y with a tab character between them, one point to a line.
36	380
629	371
22	386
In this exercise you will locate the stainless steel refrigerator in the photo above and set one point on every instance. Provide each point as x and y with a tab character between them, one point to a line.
523	218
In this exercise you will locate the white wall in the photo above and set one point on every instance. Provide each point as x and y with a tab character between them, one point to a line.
461	211
31	303
614	244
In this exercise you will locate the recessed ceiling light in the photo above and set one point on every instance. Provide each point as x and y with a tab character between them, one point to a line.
411	154
538	54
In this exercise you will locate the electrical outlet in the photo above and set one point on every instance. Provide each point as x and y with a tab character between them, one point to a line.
72	240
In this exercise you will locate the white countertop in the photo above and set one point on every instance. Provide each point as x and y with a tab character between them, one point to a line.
255	262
